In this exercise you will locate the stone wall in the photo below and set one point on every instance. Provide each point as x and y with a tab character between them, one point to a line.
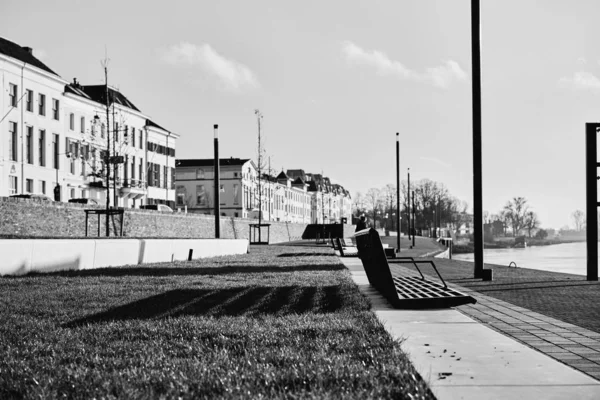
34	218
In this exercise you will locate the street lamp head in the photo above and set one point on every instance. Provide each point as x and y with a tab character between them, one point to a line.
216	128
96	118
397	136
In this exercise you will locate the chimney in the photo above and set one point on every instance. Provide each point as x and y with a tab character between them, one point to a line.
28	49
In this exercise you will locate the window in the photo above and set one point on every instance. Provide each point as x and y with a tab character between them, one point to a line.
12	94
42	104
125	134
42	148
29	185
72	193
72	121
55	161
29	145
12	141
116	135
199	173
141	170
133	167
200	195
43	187
235	214
166	175
29	101
141	139
236	193
172	178
180	195
55	109
82	125
102	129
13	185
133	136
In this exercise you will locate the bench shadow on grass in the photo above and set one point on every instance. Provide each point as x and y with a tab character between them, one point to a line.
248	301
178	271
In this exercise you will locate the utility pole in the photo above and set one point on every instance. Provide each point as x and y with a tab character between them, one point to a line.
414	218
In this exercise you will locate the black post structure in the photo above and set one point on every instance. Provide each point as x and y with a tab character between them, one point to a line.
477	159
217	186
591	200
413	218
409	215
398	217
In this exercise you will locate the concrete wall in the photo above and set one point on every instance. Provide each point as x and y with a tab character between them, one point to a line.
32	218
20	256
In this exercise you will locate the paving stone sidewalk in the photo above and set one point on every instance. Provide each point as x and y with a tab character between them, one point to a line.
556	314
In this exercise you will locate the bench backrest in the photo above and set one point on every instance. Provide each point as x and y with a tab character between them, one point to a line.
372	255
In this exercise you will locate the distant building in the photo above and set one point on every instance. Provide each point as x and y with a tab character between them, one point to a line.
54	138
291	196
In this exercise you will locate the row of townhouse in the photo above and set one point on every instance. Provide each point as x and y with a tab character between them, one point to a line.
57	137
294	196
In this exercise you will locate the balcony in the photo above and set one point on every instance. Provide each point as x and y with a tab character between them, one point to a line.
133	188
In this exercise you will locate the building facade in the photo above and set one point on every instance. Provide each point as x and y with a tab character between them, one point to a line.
67	140
291	196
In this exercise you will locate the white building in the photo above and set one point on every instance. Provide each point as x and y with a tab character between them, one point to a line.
292	197
54	136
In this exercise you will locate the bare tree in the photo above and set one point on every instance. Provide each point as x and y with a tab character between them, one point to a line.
373	201
578	217
515	211
531	222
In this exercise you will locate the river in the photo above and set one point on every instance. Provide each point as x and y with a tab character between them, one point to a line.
566	257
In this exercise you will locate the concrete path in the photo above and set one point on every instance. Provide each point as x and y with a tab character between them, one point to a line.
465	359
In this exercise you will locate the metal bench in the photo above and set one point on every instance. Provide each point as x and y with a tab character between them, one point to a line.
345	251
401	290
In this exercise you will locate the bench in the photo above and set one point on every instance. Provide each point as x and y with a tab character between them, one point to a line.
345	251
400	289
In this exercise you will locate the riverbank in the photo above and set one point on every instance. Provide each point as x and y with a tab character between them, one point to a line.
509	242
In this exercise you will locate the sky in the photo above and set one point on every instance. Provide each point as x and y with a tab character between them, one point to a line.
335	80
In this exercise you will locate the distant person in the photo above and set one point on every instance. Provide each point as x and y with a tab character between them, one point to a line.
362	223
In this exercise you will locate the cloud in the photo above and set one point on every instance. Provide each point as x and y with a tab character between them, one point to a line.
441	76
233	75
581	80
437	161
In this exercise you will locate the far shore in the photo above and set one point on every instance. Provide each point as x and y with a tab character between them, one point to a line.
509	242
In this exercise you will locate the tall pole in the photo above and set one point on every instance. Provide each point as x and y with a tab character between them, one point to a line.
477	159
591	203
413	218
217	186
398	218
107	161
409	214
115	136
259	116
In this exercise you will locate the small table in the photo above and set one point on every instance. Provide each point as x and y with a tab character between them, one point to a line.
99	212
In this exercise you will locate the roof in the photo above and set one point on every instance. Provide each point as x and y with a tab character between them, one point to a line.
98	94
209	162
24	54
155	125
76	89
298	181
282	175
295	173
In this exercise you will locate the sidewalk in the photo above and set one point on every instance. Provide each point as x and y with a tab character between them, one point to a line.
468	359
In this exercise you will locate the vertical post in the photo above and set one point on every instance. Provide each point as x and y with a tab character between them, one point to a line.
477	159
107	160
217	186
409	215
413	218
398	218
591	199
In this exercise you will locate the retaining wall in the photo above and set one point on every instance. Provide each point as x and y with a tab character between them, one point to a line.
33	218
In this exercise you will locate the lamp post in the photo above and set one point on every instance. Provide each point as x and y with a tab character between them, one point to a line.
414	217
398	218
409	216
217	185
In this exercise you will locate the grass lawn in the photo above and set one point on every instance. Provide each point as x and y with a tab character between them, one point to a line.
281	322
